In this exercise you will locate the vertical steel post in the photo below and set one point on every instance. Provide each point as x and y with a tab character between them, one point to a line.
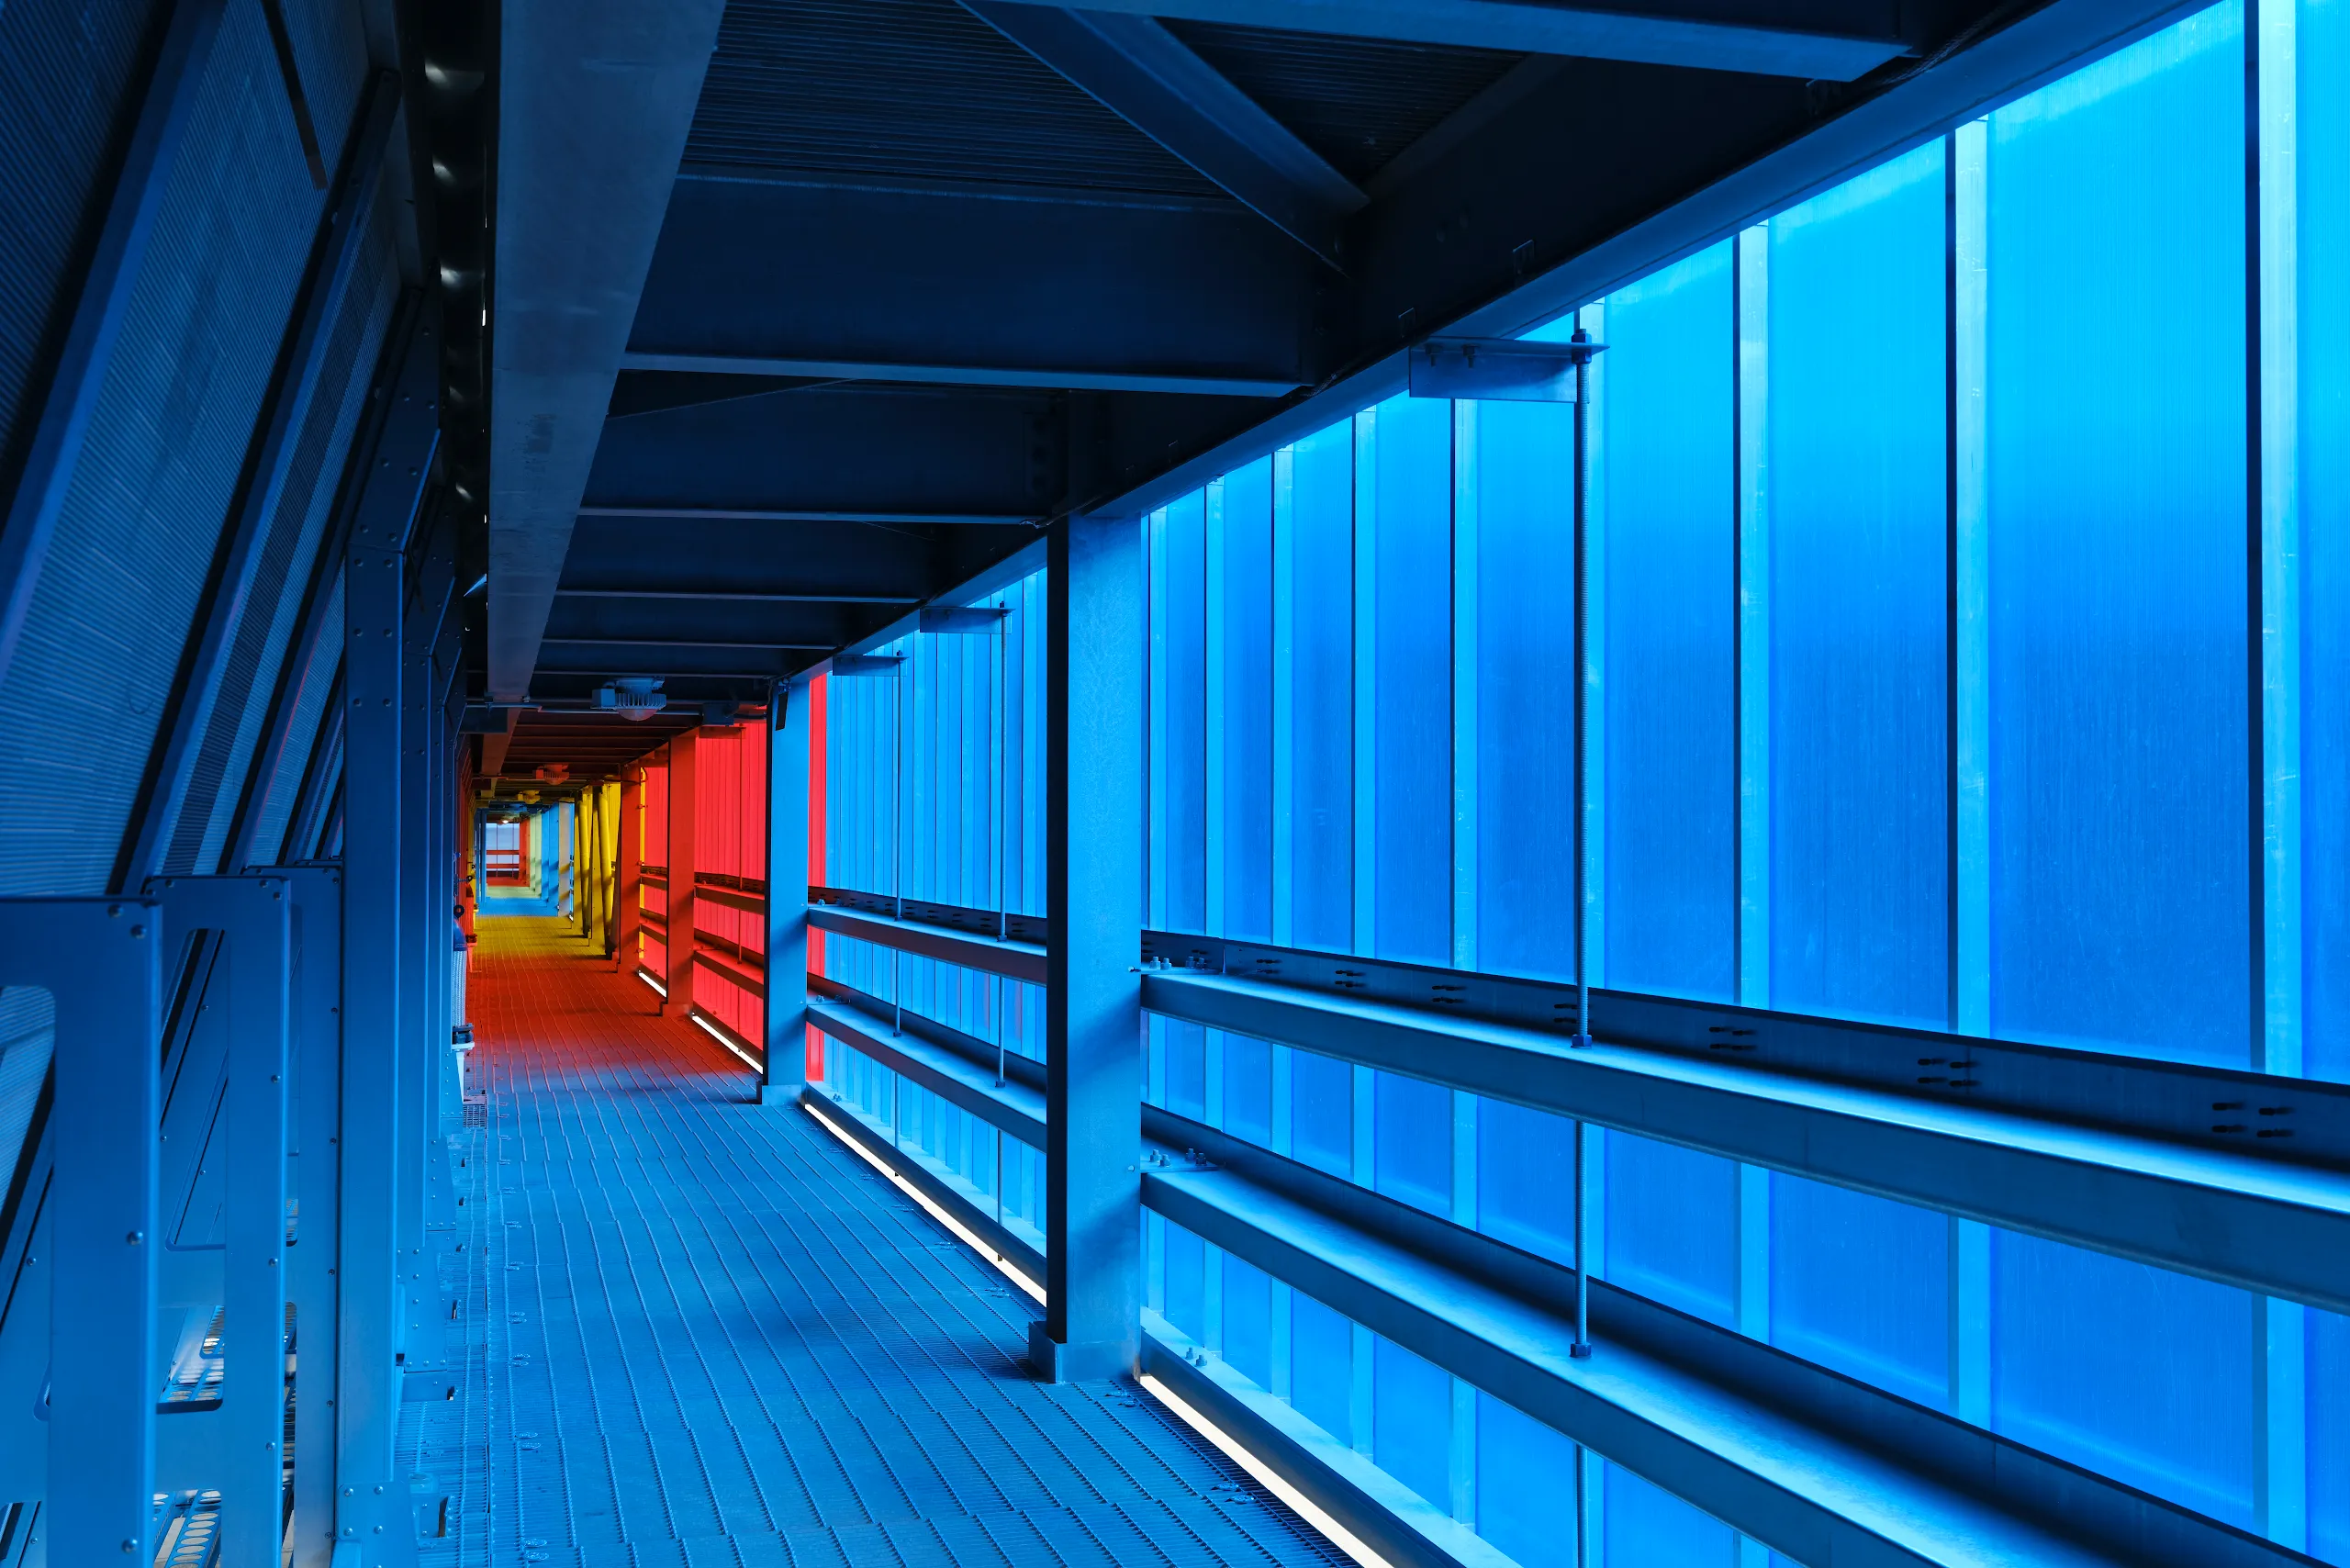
1093	824
1582	1035
254	917
680	1000
315	1081
625	877
100	962
785	1073
378	1018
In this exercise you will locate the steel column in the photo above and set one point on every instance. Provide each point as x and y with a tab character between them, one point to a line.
789	759
1094	891
679	1004
254	917
314	1083
378	1020
99	960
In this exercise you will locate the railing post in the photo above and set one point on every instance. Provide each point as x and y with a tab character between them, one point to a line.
680	979
789	759
625	885
1092	1011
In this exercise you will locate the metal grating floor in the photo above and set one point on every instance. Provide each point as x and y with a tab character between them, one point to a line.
700	1332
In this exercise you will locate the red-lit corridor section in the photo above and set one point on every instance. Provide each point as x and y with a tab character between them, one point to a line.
715	1335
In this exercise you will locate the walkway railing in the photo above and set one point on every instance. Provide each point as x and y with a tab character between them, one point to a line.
2232	1176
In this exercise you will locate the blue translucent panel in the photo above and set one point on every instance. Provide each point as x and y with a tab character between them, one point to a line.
1525	681
1648	1527
2118	516
1179	646
2129	1370
1412	1141
1247	728
1248	1088
1858	503
1525	1486
1673	1225
1187	1068
1669	537
1410	539
1861	1285
1322	662
1185	1297
2328	1371
1321	1366
1248	1320
2324	441
1411	1421
1322	1112
1525	1168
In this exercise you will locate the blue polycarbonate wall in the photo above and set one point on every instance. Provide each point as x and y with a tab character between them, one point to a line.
932	777
1923	515
1969	610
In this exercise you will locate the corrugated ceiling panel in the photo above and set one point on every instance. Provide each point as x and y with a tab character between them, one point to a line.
1358	102
110	621
914	89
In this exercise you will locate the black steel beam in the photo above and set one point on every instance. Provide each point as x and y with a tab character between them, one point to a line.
955	284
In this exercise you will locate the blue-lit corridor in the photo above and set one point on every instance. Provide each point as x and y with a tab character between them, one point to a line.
714	1335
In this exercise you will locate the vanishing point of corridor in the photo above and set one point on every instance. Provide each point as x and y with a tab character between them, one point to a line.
715	1336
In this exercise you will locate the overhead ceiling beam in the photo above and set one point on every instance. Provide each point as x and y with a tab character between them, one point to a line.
734	596
1832	40
761	647
1072	378
595	99
1147	75
822	282
688	513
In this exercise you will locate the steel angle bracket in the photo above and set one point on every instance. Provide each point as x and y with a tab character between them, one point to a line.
254	914
100	961
1507	370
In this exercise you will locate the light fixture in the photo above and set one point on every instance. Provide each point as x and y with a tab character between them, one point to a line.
635	698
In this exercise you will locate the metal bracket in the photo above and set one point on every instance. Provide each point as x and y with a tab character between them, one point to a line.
1508	370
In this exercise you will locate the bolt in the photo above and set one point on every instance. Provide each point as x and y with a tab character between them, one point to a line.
135	1238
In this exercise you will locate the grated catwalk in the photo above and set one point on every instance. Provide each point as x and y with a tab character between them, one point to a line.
696	1331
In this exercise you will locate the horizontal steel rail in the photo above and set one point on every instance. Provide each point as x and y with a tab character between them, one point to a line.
1015	1108
1990	1471
2240	1214
1036	929
1023	1069
1020	1255
1013	960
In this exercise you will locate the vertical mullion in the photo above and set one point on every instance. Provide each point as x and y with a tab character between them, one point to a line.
1592	318
1464	685
2279	1363
1753	615
1156	567
1752	330
1968	558
1213	525
1284	672
1364	880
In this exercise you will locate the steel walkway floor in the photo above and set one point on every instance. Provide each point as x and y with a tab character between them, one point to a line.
700	1332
